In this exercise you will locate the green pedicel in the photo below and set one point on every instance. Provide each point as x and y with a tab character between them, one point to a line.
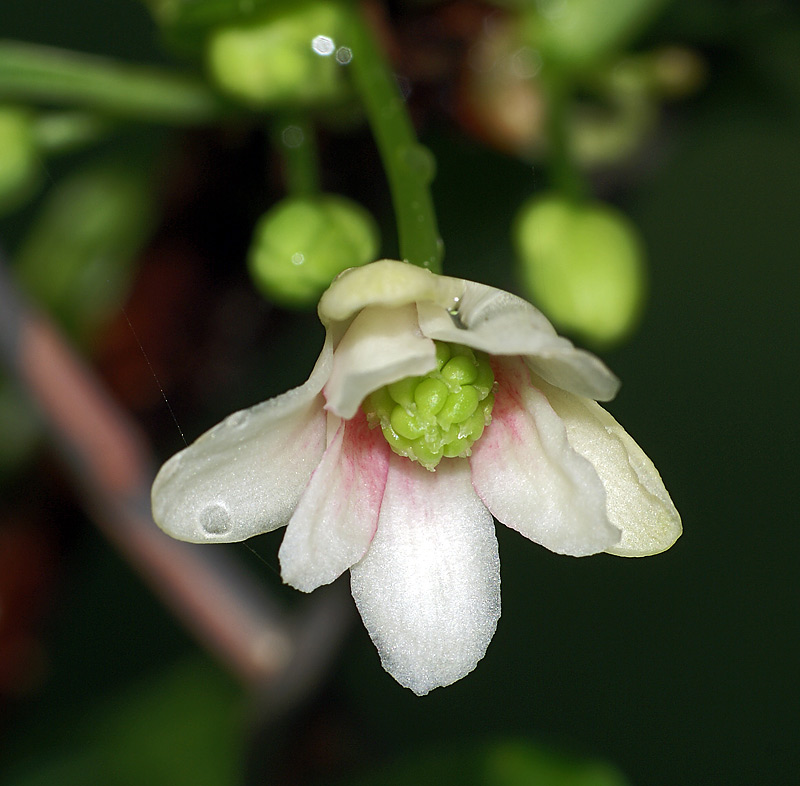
439	415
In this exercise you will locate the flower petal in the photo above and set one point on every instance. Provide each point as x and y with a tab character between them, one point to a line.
386	283
500	323
336	517
381	346
637	503
530	478
244	476
429	588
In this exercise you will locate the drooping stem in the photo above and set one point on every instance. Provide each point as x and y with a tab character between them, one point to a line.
295	138
32	73
567	178
409	166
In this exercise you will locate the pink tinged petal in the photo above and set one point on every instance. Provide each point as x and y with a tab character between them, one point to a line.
429	588
500	323
245	476
381	346
531	479
336	518
638	503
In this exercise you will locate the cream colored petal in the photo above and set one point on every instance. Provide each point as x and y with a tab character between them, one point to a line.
245	476
500	323
336	517
637	503
381	346
530	478
385	283
428	589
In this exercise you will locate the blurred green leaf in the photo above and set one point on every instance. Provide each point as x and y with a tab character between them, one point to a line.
77	257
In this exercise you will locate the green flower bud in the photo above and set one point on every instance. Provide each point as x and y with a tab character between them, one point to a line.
578	33
440	415
583	264
303	243
289	56
19	169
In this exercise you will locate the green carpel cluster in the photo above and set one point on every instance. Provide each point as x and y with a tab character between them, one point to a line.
440	414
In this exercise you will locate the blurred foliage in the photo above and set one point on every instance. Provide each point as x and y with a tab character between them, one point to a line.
680	671
180	726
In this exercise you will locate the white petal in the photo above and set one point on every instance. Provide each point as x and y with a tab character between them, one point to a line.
385	283
381	346
638	503
500	323
530	478
337	515
245	475
429	588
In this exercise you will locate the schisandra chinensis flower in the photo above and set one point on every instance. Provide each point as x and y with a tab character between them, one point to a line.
436	404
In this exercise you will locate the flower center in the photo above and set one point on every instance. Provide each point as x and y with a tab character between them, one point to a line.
439	415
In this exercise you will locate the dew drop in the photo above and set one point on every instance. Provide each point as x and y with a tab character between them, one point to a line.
215	519
323	45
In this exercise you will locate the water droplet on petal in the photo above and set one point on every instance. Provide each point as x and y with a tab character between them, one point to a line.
215	519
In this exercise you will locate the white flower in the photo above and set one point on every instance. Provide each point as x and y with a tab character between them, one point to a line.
420	544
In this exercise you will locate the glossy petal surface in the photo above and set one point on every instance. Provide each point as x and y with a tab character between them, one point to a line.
245	476
337	515
530	478
500	323
386	283
429	587
638	503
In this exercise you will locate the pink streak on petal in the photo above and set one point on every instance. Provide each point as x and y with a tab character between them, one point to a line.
337	515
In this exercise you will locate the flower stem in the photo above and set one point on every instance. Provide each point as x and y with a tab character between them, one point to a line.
566	176
36	73
409	166
295	138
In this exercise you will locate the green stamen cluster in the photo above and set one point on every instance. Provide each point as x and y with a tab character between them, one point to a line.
440	414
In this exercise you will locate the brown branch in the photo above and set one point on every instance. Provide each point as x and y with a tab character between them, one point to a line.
113	468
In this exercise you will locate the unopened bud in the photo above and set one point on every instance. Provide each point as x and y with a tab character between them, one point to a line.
583	264
303	243
286	57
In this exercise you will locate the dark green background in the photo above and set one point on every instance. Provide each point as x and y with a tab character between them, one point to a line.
680	669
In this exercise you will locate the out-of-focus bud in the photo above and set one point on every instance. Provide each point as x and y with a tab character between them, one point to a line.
583	264
288	56
76	260
303	243
577	33
19	170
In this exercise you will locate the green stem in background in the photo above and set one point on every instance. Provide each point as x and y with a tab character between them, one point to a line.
294	136
31	73
410	167
61	132
566	176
